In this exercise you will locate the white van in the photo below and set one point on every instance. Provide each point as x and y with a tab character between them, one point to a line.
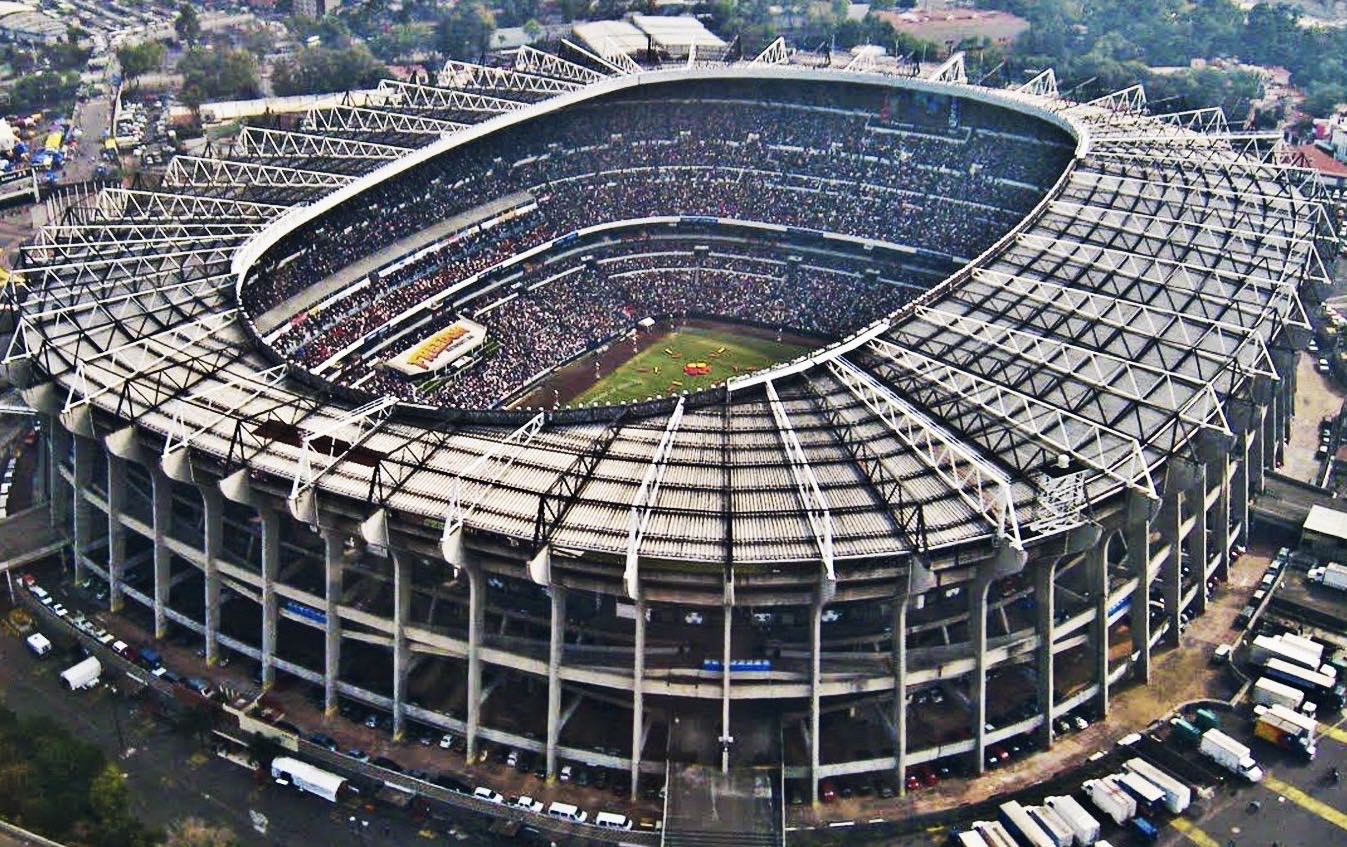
612	820
38	643
481	792
567	812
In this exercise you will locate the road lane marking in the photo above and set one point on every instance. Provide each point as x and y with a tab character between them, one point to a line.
1193	833
1334	732
1305	801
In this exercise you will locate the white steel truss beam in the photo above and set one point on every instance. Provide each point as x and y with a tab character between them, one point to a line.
413	96
1107	451
1193	401
1244	346
195	170
252	384
983	487
47	250
533	61
812	500
1210	119
647	494
128	204
1306	180
258	141
775	53
951	70
360	119
470	76
486	470
616	69
1044	84
320	445
1129	101
119	295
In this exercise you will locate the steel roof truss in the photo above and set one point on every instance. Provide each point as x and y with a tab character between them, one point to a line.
815	505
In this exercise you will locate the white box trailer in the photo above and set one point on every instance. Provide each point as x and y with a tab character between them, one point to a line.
1230	754
1052	825
1149	796
1270	692
1083	824
308	778
1311	647
1264	648
1017	820
995	834
1178	794
969	838
1110	799
85	674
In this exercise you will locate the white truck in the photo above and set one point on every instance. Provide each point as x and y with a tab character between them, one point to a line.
1229	754
1178	794
82	675
1083	824
1270	692
1265	648
1331	575
1052	825
1110	799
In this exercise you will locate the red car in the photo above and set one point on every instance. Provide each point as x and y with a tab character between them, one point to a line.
912	782
826	792
927	775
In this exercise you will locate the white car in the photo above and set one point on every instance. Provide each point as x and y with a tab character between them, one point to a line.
61	611
694	618
831	616
565	774
481	792
529	804
447	741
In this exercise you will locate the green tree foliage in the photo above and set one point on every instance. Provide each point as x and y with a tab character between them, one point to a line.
193	832
318	69
331	31
43	90
217	74
187	25
465	32
63	788
139	59
402	40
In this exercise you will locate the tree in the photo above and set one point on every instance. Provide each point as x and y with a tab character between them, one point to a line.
187	25
214	74
194	832
139	59
533	29
465	33
318	69
1323	98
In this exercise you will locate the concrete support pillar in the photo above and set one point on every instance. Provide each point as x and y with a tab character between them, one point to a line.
1097	562
1272	439
1198	553
1045	594
212	502
900	692
977	641
1171	520
161	507
726	620
476	623
58	447
1137	535
815	671
116	532
1242	488
333	548
638	696
402	607
555	645
1221	520
1258	452
271	558
82	511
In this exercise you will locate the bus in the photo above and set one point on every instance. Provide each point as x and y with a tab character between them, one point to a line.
309	779
1321	687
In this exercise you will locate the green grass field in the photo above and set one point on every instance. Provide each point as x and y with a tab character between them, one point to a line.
654	372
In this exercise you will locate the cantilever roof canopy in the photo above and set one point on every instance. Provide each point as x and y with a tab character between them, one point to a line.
611	38
677	35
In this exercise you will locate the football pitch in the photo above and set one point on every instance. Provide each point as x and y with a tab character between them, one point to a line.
660	368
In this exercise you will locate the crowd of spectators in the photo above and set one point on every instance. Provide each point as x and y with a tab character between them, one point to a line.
946	178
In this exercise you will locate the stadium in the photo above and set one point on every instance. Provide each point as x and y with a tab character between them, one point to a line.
1033	357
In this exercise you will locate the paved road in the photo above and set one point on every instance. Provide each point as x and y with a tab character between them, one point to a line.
171	777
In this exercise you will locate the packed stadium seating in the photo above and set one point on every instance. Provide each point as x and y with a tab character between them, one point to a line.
902	170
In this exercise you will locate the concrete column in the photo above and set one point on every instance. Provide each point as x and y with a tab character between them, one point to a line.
1097	561
1171	519
1198	552
213	532
900	692
271	557
725	655
1221	468
333	549
402	606
161	506
1240	491
83	474
555	646
977	642
1137	535
1271	434
1258	453
638	696
476	623
58	447
815	671
116	532
1046	596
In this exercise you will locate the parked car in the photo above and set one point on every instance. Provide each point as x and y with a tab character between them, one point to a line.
528	804
358	755
322	740
481	792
